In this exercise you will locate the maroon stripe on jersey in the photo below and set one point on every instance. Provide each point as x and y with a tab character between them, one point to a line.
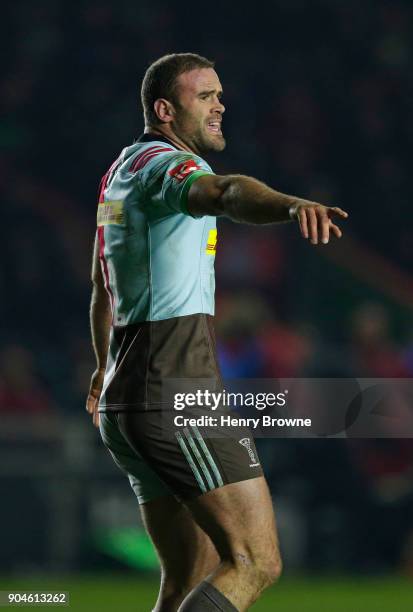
104	182
141	160
112	169
147	152
139	157
149	157
102	187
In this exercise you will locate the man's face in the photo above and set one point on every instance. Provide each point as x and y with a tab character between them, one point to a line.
199	113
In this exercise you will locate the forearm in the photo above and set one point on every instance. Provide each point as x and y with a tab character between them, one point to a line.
247	200
100	323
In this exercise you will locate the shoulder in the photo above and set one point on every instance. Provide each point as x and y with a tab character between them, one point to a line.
143	153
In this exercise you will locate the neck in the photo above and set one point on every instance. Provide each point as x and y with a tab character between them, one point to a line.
166	130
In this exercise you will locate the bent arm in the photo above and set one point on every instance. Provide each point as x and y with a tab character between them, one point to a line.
100	312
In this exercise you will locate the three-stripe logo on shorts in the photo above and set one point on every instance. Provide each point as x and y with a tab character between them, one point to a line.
199	459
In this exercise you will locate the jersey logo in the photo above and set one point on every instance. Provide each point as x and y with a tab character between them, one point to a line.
211	247
246	443
182	170
110	213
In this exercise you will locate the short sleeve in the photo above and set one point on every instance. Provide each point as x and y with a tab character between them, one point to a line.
172	174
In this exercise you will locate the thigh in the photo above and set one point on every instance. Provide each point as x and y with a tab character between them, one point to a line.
188	458
143	479
239	518
185	551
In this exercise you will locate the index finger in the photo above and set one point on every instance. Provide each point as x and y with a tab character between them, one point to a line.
302	220
338	211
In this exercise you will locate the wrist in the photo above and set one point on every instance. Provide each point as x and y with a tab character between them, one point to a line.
293	209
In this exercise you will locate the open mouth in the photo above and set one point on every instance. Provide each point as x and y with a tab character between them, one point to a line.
215	127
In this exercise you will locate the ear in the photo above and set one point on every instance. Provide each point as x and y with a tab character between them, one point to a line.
164	110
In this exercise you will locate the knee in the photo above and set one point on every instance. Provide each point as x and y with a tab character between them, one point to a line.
264	570
268	570
273	569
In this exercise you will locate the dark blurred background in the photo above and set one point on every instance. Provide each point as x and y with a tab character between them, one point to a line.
318	97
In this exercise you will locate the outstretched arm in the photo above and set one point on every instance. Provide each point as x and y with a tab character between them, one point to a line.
100	322
246	200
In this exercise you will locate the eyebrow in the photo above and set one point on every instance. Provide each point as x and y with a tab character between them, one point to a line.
210	91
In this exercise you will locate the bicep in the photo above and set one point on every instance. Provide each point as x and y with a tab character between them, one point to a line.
204	196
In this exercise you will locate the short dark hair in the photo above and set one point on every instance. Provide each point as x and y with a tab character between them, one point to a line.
160	80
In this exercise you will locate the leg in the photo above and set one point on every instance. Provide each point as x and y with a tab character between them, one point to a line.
186	553
239	519
236	513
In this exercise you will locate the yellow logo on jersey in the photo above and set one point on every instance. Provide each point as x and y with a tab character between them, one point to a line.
211	247
110	213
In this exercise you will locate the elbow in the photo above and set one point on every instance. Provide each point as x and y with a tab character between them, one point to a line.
228	201
223	196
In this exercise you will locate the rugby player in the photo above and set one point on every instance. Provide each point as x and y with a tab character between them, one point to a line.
204	502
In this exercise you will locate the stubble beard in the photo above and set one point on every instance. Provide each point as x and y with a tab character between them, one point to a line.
197	138
207	143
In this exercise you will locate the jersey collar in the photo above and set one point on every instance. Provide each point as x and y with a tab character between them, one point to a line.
149	137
